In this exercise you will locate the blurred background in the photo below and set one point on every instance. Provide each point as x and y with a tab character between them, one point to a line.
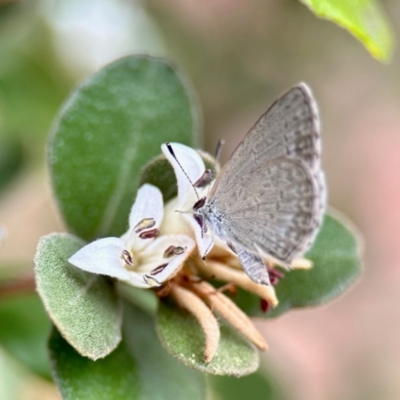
240	55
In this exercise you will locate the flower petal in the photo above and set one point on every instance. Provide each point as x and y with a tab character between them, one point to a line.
184	223
158	264
204	240
148	205
193	166
102	257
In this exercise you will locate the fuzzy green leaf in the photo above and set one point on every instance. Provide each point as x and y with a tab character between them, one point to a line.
25	327
112	125
159	172
364	19
182	336
139	369
83	306
258	386
336	257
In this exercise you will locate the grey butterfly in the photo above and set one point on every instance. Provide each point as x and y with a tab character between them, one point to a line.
269	198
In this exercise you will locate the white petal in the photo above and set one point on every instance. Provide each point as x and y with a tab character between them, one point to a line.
192	164
102	257
204	240
153	257
148	204
173	222
137	280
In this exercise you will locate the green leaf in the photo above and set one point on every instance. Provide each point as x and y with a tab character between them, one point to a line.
182	336
159	172
25	327
12	378
257	386
139	369
83	306
11	271
109	128
336	266
363	18
11	160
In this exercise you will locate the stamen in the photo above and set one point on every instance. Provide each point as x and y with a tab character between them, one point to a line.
152	233
127	257
205	179
163	291
239	278
174	251
158	269
301	263
190	302
199	203
145	223
231	312
151	281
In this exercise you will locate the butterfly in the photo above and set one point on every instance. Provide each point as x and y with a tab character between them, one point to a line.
269	198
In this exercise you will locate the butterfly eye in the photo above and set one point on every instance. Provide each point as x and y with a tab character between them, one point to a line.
199	203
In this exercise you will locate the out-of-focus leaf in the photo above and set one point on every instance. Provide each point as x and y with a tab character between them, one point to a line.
11	160
363	18
146	300
83	306
32	82
257	386
24	329
12	377
336	257
9	272
108	129
183	337
139	369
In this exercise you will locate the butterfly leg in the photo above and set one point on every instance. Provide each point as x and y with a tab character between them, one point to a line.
252	264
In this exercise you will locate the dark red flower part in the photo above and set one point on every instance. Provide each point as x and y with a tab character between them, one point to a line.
275	276
264	305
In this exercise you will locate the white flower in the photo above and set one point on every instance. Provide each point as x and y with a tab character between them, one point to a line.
189	168
141	256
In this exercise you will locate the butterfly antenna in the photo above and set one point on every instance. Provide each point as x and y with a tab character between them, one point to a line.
218	149
170	149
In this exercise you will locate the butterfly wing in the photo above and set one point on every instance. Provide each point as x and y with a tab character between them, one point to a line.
271	193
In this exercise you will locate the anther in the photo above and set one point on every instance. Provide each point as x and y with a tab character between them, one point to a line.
158	269
173	251
152	233
205	179
145	223
127	257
